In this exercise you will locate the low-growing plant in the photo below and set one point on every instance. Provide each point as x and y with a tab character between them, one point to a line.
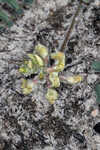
38	64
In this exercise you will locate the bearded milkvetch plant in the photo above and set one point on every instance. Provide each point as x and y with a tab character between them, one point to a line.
37	64
39	61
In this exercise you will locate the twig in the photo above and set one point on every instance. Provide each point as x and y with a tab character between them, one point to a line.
67	35
73	64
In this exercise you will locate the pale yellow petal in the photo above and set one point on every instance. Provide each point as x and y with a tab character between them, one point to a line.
51	95
41	50
27	86
35	58
30	64
41	75
31	56
74	79
54	79
39	60
59	58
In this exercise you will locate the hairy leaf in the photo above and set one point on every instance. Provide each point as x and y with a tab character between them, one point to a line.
74	79
53	77
59	58
51	95
39	61
41	50
32	66
27	86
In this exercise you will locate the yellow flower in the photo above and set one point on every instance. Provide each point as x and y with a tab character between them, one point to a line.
59	61
51	95
41	50
36	59
41	75
27	86
53	77
21	70
74	79
30	65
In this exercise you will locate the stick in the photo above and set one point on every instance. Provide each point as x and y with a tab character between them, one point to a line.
67	35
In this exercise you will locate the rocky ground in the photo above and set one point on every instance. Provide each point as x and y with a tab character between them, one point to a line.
31	122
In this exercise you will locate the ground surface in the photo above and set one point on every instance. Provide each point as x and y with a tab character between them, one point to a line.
30	122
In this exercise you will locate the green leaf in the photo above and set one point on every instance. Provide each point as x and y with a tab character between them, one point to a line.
28	1
26	68
5	19
96	66
14	5
1	29
97	91
31	66
36	59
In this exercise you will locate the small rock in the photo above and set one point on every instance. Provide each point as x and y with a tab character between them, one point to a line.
97	127
94	113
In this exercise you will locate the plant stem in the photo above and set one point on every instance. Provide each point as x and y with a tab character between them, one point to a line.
68	33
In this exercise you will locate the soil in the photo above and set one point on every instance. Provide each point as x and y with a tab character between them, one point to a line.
31	122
